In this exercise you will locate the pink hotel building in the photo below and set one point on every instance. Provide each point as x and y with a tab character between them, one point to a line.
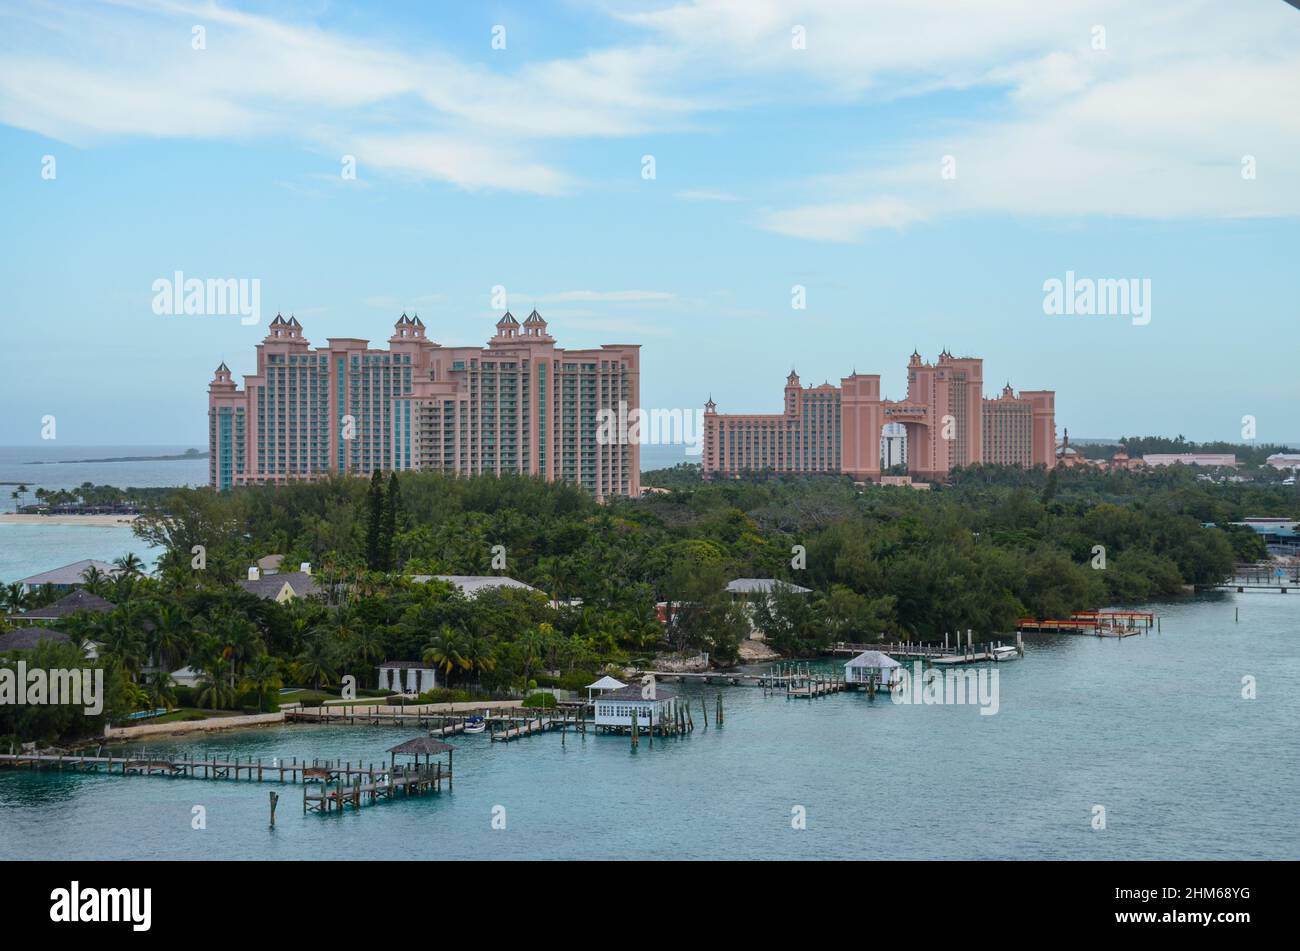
836	429
519	405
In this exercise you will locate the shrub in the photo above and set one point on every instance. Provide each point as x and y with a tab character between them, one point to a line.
543	700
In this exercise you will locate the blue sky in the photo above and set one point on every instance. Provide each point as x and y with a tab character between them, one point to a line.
775	166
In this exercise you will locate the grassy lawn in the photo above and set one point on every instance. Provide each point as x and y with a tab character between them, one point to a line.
182	714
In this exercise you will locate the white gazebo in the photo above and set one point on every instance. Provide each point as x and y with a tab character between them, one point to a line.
872	666
604	684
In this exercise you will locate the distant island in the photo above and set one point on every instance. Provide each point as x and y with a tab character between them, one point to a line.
187	454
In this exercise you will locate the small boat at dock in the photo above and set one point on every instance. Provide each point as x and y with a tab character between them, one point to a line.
475	725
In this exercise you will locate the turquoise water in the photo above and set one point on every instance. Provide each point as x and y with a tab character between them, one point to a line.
1153	728
26	550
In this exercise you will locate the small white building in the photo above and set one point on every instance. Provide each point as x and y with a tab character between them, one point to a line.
407	676
872	667
614	708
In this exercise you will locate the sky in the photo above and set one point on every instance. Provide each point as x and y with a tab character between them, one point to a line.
674	174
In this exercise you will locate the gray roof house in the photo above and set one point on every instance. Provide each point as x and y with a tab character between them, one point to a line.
749	586
69	576
26	638
71	603
471	585
284	586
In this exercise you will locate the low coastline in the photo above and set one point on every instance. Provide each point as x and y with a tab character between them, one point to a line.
11	518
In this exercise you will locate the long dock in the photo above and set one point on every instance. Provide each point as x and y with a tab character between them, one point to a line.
147	764
1097	623
1258	577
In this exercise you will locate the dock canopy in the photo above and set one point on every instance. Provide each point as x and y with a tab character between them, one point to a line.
425	746
421	746
603	684
870	665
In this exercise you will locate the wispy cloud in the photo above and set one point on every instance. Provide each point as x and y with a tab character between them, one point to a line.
704	194
1151	122
624	297
85	73
846	221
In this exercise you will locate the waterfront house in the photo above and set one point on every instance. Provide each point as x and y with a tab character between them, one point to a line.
751	592
614	708
472	585
73	602
26	639
407	676
603	686
280	587
754	589
69	577
871	667
187	677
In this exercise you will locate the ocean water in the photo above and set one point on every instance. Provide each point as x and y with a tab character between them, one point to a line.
26	550
1154	729
52	466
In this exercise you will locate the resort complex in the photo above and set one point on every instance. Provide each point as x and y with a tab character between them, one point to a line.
519	405
946	421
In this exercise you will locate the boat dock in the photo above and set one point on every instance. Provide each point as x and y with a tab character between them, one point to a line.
149	764
386	785
1096	623
1262	576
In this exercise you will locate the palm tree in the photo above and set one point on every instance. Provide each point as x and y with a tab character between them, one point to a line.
16	598
481	653
169	637
262	676
316	663
448	652
129	565
214	692
123	642
160	687
94	581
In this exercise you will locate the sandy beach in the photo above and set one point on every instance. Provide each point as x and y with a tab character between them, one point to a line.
10	518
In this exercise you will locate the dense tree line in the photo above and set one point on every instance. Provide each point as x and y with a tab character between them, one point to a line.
994	545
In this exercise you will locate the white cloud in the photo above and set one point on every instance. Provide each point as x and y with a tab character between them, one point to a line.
1040	122
836	221
608	296
704	194
81	75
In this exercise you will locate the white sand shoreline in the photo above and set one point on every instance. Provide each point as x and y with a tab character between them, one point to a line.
109	521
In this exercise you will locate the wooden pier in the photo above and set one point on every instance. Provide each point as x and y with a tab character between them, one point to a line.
1096	623
150	764
397	780
1263	576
